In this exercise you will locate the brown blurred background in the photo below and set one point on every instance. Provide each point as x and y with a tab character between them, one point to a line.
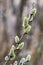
12	13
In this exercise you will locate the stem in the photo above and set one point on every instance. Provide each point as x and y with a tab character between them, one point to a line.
5	63
21	37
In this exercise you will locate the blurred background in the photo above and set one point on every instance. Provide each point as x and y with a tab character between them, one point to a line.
12	13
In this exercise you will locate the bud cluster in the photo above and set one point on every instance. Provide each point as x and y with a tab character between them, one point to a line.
20	46
26	21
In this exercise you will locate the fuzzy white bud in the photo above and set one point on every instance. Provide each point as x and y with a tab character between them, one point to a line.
16	39
21	45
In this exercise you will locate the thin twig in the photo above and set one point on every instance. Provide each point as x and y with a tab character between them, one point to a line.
5	63
21	37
